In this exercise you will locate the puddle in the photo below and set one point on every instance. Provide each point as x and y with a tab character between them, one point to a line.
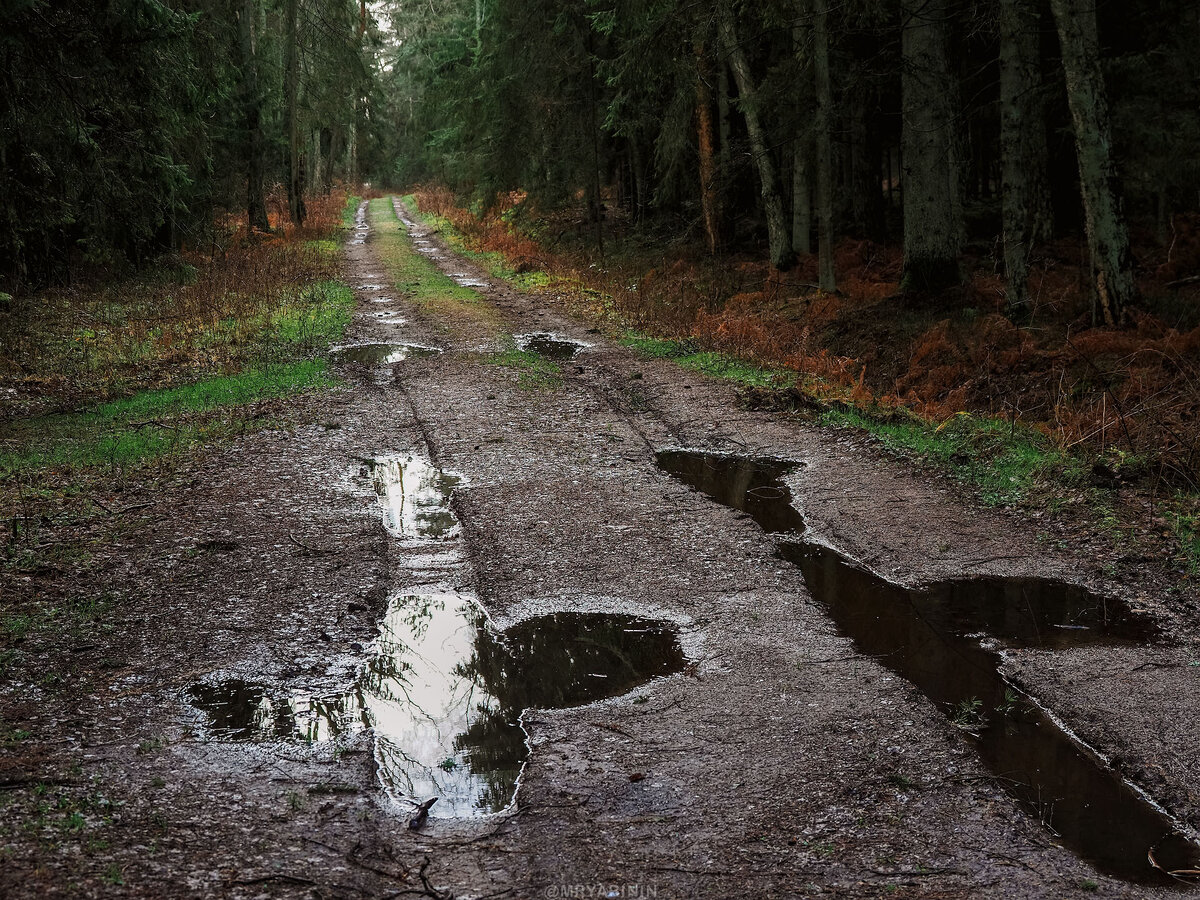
932	638
441	689
414	496
360	225
551	346
444	694
468	281
382	354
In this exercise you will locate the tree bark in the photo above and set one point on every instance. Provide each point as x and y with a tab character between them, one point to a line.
723	120
1018	80
292	90
256	207
709	188
802	144
824	92
781	253
1108	236
930	187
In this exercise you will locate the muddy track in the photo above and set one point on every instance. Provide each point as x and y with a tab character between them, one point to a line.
782	761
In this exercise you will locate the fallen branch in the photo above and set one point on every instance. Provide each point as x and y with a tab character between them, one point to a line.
1180	282
155	422
289	879
417	822
920	873
303	546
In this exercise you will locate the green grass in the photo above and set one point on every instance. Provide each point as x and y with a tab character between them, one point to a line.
155	423
1007	464
534	371
75	618
318	320
152	424
709	362
348	211
1185	524
416	275
494	263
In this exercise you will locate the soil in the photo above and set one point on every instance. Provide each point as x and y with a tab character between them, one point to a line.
781	762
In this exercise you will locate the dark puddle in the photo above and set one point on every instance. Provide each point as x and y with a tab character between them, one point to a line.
940	639
382	354
442	689
549	345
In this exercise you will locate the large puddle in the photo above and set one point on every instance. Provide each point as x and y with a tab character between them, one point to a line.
549	345
942	639
382	354
442	689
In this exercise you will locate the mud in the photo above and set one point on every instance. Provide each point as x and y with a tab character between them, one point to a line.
784	760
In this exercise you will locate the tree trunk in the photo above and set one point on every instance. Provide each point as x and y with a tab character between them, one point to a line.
709	192
782	256
256	207
802	145
930	186
723	120
292	90
802	194
824	92
1108	238
326	156
1018	79
640	189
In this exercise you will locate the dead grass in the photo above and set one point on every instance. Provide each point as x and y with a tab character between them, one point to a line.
198	314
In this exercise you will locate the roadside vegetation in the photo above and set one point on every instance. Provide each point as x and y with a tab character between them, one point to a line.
106	387
1036	414
416	276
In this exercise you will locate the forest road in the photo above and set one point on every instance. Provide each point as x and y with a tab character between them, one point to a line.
775	760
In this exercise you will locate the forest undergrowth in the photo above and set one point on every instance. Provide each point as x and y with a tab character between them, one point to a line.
106	385
1047	411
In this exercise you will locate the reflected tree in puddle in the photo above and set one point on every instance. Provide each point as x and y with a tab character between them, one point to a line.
382	354
414	496
442	690
940	638
444	693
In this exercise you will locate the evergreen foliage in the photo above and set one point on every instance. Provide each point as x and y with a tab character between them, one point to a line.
126	124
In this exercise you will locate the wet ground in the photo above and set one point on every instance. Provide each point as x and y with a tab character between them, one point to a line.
715	652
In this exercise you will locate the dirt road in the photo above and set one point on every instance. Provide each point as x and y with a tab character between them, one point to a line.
781	759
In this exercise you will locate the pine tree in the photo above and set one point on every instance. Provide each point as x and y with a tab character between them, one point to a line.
1108	237
933	229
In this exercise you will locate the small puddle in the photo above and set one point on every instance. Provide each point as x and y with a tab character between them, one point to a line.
442	689
382	354
934	638
414	496
468	281
360	225
551	346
